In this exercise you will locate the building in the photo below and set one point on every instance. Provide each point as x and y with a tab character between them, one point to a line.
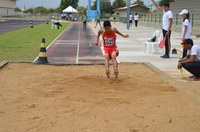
136	8
7	7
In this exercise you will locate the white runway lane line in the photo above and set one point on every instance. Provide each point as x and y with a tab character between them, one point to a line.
78	45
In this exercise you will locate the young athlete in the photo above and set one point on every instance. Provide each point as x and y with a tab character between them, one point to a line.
109	46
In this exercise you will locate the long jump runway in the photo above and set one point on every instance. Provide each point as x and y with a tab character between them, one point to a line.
75	46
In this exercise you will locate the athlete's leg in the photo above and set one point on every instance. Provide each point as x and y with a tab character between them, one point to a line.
115	64
107	65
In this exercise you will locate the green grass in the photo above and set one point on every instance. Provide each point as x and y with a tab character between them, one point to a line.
24	44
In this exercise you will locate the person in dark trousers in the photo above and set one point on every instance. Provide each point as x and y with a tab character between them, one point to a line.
31	24
192	61
57	23
84	20
98	21
131	19
136	18
186	28
166	25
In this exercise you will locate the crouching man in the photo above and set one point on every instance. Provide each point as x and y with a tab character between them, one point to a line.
192	61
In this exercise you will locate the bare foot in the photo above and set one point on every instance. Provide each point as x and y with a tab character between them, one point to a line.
116	73
108	73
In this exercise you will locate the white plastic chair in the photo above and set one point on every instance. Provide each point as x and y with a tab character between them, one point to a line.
151	46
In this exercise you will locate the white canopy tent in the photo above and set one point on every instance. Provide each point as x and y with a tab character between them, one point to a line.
70	9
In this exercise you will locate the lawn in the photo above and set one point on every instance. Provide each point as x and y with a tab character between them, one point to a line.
24	44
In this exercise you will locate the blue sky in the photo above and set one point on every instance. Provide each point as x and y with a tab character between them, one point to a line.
53	3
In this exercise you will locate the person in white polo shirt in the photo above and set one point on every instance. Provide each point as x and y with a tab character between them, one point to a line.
166	25
186	28
136	18
131	19
192	61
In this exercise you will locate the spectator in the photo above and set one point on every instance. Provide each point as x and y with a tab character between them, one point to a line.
52	22
186	28
98	21
114	19
31	24
57	23
130	19
136	18
192	61
84	20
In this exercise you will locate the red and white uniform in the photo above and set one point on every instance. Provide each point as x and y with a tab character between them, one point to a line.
109	42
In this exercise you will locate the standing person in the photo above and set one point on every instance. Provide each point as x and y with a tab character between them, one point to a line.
130	19
57	23
52	22
70	17
136	18
98	21
192	61
186	28
114	19
110	48
84	20
166	25
31	24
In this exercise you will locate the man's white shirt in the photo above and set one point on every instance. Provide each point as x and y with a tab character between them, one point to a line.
166	16
195	50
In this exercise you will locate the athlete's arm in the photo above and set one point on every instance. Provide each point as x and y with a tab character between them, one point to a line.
98	35
125	36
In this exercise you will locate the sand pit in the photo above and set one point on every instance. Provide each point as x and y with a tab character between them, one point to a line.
41	98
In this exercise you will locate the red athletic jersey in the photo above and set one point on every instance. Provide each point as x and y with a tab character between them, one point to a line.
109	40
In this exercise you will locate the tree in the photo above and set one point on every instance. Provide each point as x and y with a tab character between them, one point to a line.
165	1
65	3
118	3
40	9
30	10
17	9
105	6
51	10
57	10
81	10
139	2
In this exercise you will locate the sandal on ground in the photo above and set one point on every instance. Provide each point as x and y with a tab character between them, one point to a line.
116	73
108	73
197	79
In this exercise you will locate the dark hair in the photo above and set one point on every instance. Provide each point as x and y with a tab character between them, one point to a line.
166	5
106	23
189	42
187	17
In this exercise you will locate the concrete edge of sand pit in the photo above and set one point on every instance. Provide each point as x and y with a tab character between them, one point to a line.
3	63
158	71
149	65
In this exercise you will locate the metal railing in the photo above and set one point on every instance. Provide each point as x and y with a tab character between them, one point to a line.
155	20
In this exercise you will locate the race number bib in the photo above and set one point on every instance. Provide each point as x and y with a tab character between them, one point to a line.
109	41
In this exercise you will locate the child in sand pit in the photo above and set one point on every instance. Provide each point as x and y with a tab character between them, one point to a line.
109	44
